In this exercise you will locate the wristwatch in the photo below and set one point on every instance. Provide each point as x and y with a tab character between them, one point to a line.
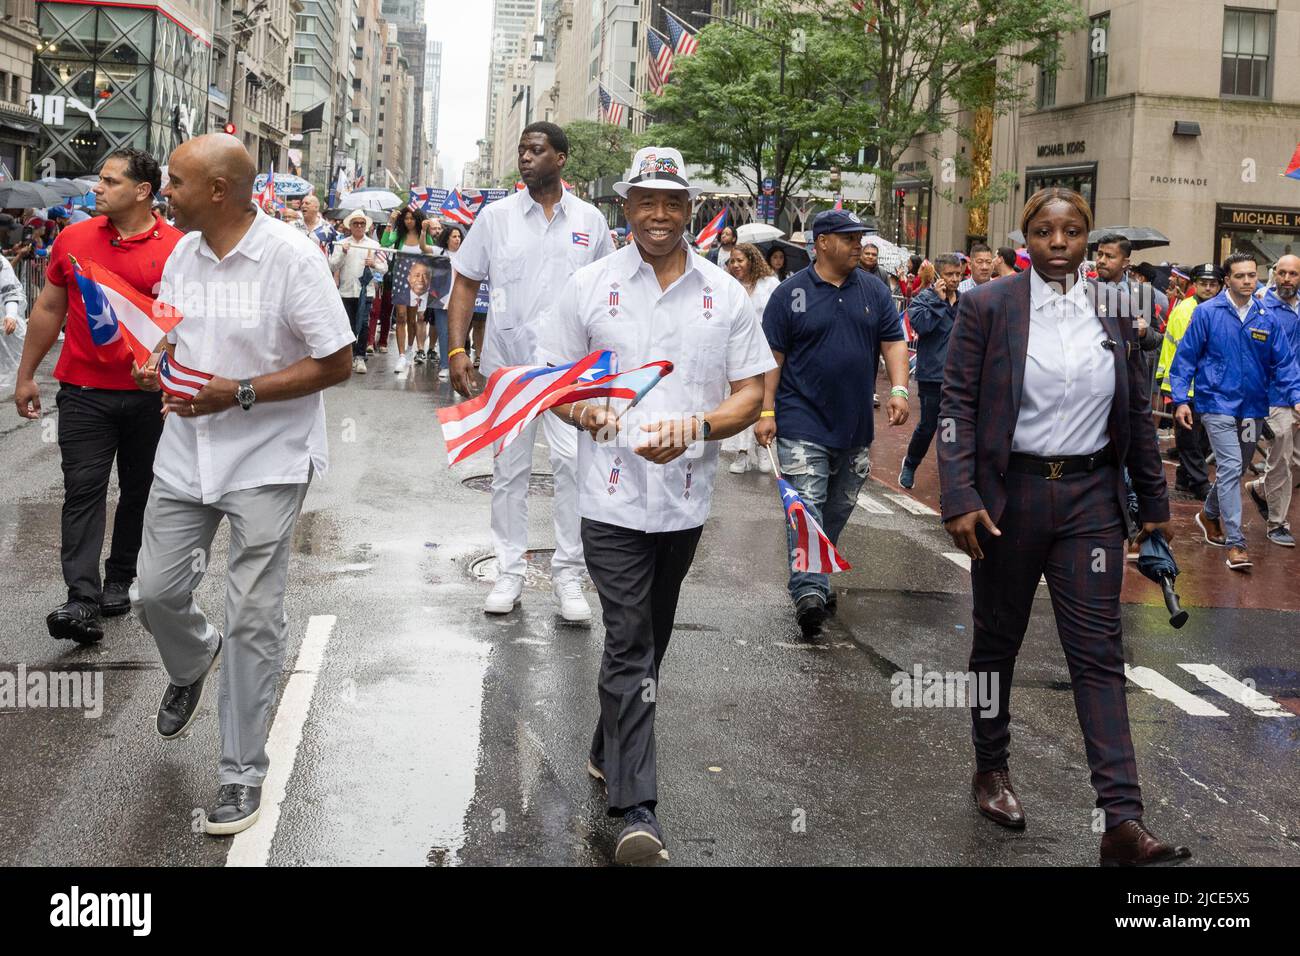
705	427
245	395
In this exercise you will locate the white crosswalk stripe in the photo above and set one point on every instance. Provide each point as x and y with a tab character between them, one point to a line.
958	558
1156	684
1215	678
870	504
910	504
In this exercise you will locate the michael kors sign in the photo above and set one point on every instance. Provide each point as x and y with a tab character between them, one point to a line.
1062	149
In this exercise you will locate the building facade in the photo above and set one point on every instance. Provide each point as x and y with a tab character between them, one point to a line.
1180	130
19	131
511	19
110	76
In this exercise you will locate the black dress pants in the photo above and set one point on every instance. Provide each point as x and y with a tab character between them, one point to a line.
96	426
639	576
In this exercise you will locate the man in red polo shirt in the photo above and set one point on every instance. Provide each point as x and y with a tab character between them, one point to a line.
102	414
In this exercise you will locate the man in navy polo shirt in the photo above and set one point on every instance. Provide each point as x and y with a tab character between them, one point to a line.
828	325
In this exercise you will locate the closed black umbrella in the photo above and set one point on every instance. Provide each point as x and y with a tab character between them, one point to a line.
1156	562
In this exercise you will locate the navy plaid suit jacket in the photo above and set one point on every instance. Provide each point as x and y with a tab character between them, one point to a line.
980	402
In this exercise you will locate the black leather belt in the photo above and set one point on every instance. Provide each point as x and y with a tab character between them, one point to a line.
1060	467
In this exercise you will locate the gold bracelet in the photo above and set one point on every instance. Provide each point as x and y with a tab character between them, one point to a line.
454	352
767	413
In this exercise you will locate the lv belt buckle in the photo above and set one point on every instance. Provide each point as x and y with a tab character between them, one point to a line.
1055	469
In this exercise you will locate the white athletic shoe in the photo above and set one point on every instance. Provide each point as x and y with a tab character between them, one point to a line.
573	604
764	462
505	594
359	366
444	375
400	366
740	465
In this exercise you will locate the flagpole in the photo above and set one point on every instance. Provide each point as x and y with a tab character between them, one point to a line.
772	457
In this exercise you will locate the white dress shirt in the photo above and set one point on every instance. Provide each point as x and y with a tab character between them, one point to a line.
268	304
527	260
704	324
349	260
1069	379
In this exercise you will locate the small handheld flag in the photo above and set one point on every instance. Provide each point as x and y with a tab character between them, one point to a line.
456	209
1293	168
177	380
813	552
118	312
711	231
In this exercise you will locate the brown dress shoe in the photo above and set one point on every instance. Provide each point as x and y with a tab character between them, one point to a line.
1238	559
996	800
1211	528
1132	844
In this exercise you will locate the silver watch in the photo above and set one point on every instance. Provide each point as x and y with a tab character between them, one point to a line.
245	395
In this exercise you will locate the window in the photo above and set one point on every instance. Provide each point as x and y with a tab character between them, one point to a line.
381	101
15	89
1047	85
1098	55
1247	44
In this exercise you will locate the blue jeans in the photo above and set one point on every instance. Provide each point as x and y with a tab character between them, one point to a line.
828	480
440	323
1233	441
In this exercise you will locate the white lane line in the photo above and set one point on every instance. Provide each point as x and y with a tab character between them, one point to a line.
908	503
253	846
958	558
868	503
1156	684
1216	679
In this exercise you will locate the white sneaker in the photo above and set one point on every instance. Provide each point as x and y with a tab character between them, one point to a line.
400	367
359	366
573	604
740	465
444	375
764	462
505	594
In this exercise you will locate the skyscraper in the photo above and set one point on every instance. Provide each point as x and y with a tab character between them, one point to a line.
511	19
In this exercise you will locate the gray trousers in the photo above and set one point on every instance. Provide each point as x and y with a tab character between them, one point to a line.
639	577
174	554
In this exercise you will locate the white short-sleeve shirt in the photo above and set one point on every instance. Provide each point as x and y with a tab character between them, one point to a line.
705	325
527	260
269	303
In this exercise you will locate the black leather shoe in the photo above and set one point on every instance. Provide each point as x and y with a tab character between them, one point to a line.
238	807
1132	844
810	612
180	704
75	621
116	598
996	800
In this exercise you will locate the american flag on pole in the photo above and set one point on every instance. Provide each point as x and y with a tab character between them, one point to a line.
684	41
660	62
516	395
813	551
611	110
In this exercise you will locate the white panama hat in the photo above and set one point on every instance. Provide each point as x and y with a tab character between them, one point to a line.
657	167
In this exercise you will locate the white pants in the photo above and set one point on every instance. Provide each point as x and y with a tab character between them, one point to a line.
510	472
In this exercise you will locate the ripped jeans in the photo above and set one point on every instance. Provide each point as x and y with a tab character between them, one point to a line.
828	481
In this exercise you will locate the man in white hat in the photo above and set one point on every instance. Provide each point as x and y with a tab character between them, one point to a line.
527	246
645	478
359	262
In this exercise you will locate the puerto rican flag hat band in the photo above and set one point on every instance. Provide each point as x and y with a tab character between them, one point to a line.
657	167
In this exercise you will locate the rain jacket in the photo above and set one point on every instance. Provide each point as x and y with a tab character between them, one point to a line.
1174	330
1235	362
1289	322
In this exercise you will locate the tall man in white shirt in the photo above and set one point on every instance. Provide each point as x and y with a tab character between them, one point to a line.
644	489
527	245
243	449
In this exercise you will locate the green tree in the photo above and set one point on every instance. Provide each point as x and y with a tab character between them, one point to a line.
929	63
596	150
773	102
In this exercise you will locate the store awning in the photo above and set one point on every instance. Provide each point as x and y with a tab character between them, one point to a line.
18	123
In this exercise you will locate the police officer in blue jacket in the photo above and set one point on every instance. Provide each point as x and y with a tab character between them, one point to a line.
1237	352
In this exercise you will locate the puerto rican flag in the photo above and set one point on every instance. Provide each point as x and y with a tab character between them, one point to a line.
813	551
711	231
684	41
175	379
117	312
660	61
457	209
582	239
516	395
267	192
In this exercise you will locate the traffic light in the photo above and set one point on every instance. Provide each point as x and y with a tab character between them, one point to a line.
229	128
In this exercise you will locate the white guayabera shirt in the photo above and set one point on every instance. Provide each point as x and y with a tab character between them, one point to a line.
704	324
269	303
527	260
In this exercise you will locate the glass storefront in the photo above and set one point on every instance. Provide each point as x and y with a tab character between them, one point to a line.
1268	232
126	77
912	207
1082	178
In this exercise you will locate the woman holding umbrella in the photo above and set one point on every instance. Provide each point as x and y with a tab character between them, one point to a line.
1046	394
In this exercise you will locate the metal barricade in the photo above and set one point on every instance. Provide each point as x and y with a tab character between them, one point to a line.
31	273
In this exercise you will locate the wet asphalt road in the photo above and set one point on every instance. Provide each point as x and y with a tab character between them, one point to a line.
436	736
